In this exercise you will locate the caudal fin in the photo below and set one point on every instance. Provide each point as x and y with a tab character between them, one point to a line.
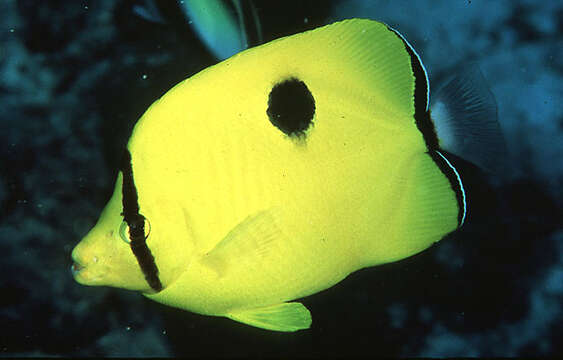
464	112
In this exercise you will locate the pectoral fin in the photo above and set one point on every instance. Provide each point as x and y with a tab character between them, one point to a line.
286	317
250	243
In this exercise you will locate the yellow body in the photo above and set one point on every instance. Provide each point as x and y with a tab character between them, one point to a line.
245	217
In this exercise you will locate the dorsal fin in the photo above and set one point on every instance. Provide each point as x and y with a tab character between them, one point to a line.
362	56
421	95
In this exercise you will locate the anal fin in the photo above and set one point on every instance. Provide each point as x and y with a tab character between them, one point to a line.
286	317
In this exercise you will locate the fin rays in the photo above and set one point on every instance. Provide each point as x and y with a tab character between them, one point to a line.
287	317
465	114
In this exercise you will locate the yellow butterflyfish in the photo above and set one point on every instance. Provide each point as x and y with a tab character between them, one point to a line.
278	172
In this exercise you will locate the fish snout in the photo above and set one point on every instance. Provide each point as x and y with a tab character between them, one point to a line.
83	266
76	267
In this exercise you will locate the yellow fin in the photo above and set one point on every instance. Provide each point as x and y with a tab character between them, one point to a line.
376	60
287	317
249	241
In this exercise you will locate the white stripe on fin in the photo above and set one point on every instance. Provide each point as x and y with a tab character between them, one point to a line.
460	187
419	61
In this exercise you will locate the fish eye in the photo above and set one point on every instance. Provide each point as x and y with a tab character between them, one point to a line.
291	107
124	231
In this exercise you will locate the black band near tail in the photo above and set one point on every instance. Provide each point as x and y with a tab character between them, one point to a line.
421	95
136	223
446	165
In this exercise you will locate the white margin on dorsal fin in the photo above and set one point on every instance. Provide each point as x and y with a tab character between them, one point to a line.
461	188
464	113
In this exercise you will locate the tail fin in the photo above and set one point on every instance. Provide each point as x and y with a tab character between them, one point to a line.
465	117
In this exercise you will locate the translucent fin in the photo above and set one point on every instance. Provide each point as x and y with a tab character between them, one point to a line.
249	23
465	116
249	241
287	317
148	11
216	26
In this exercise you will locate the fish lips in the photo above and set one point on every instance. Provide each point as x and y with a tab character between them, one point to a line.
84	273
76	267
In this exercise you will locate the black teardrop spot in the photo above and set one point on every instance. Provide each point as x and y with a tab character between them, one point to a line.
291	107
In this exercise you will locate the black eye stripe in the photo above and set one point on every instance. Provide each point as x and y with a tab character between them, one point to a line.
129	192
136	223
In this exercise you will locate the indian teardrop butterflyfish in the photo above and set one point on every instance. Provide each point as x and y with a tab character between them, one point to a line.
276	173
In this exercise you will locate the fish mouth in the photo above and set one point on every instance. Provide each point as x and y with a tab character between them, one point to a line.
89	274
82	273
76	267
